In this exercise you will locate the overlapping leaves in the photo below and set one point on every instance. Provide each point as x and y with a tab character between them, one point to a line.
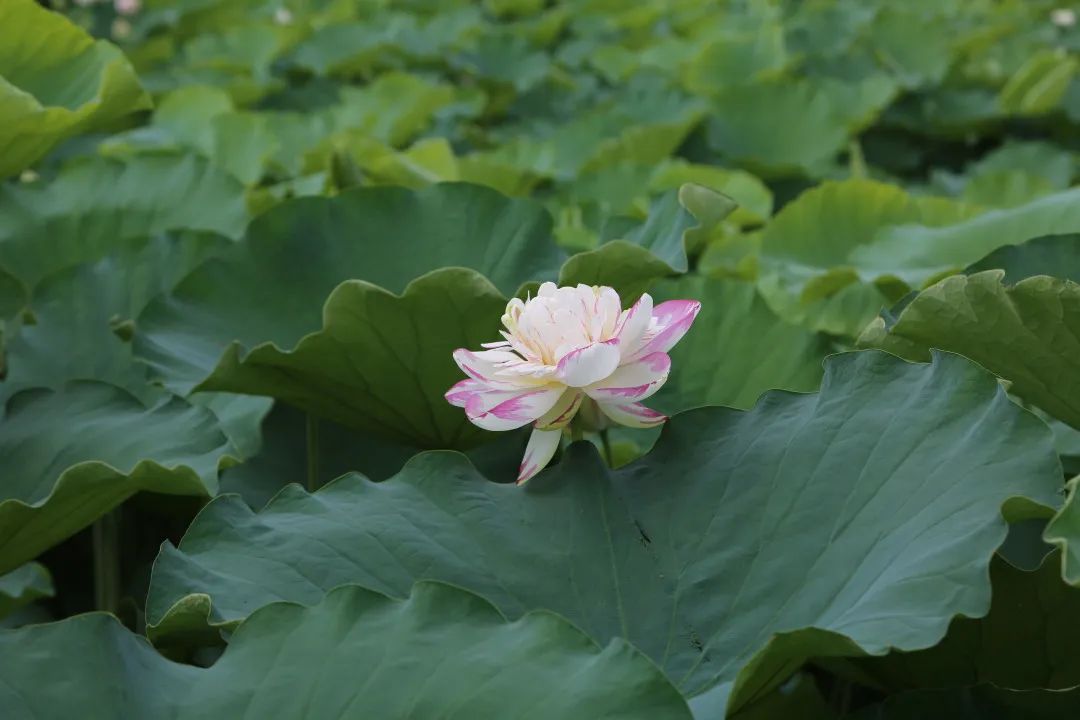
696	552
55	81
356	654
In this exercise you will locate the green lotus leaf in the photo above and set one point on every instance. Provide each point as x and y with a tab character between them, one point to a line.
1054	255
23	585
1025	642
79	311
1039	85
443	652
284	447
642	253
75	453
809	268
710	553
737	350
1027	333
920	254
52	90
376	361
96	207
780	128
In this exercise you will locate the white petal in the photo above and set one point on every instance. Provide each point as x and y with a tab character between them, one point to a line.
670	321
484	365
632	414
589	364
609	308
634	381
633	325
563	411
546	290
541	448
513	409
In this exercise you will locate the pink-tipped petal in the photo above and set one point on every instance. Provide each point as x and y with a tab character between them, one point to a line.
671	320
589	364
634	324
541	448
483	365
633	381
459	395
519	408
632	414
563	412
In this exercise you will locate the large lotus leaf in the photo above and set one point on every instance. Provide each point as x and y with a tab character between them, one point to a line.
203	119
73	454
793	128
98	206
24	585
982	702
380	362
257	309
808	266
80	313
1026	641
709	553
77	311
55	81
644	124
917	254
1027	333
443	653
737	350
634	258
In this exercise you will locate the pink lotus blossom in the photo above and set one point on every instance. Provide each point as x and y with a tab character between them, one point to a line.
566	346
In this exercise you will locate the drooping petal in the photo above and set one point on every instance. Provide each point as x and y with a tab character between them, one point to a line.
670	321
484	365
538	453
513	409
632	414
634	381
459	395
563	411
633	325
589	364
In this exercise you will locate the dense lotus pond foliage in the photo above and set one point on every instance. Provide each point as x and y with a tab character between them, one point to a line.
257	461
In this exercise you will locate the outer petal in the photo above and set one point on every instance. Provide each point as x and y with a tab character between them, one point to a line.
483	365
459	395
634	381
632	414
589	364
538	453
563	412
513	409
634	324
671	320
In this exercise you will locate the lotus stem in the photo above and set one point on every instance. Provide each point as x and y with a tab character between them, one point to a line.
106	539
605	442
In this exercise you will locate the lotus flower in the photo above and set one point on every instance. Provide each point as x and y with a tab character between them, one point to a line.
566	347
